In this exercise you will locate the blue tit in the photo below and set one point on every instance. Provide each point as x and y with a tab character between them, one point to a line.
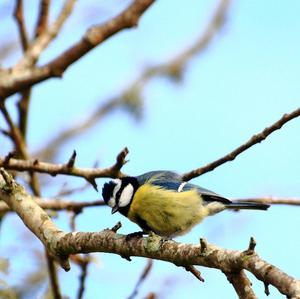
159	201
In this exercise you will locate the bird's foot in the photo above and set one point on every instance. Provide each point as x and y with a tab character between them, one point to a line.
134	235
166	239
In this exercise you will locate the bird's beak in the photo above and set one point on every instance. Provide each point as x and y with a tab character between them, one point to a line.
114	209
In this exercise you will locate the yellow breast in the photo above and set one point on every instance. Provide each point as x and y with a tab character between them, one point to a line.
167	213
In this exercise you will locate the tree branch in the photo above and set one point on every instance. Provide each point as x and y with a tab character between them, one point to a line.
241	284
252	141
90	174
57	204
143	276
23	77
18	14
61	244
42	22
80	126
33	216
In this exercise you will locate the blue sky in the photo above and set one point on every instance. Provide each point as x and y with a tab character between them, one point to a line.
246	80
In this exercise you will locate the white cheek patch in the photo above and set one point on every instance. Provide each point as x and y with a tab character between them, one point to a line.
126	196
118	183
112	200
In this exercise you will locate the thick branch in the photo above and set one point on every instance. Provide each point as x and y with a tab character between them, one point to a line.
181	254
61	244
252	141
33	216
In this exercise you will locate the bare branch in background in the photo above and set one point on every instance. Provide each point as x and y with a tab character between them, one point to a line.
44	36
42	22
50	149
143	276
174	68
58	204
7	49
131	97
20	147
24	76
252	141
19	16
53	276
83	262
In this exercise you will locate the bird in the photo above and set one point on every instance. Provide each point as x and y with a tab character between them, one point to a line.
162	203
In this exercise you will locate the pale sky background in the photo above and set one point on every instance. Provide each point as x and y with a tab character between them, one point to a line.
246	80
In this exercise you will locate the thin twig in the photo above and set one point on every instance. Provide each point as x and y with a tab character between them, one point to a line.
24	102
44	35
51	148
174	68
42	22
195	272
252	141
83	263
23	107
19	16
69	191
143	276
21	148
53	277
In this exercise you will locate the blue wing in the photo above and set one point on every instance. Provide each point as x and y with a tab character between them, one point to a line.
159	175
172	181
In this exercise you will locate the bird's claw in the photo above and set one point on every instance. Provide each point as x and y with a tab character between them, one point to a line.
135	235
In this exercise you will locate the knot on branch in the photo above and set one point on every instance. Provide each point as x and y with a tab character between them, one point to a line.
8	157
251	248
9	181
116	227
71	161
203	249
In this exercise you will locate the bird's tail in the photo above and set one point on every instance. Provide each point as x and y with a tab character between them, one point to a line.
247	206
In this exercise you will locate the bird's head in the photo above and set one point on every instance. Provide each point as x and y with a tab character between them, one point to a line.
118	193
